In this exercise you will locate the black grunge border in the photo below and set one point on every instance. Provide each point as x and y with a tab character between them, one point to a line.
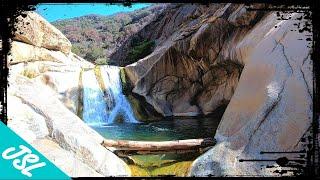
10	9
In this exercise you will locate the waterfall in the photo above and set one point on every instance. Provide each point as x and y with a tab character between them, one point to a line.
104	106
94	107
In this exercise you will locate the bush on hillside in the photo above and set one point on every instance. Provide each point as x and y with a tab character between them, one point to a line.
140	50
94	54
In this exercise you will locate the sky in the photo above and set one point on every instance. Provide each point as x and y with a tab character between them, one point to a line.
58	11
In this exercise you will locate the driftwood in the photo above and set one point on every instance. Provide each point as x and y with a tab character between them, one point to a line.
124	147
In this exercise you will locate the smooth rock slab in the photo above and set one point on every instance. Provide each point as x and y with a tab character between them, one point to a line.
271	109
65	160
22	52
35	30
26	122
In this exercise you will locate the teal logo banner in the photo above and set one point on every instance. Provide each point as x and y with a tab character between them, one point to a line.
19	160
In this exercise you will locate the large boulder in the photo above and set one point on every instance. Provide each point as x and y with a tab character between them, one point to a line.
271	108
26	122
35	30
54	69
22	52
191	72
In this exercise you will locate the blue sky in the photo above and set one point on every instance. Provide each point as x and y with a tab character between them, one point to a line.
56	11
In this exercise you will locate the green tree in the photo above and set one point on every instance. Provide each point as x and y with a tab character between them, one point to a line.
94	54
140	50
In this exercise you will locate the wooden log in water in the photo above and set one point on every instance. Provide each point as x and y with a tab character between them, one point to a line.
151	147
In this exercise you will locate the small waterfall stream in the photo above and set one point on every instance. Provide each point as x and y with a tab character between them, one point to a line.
103	106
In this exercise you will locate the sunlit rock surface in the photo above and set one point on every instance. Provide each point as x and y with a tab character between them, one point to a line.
66	160
191	71
35	30
43	102
271	109
205	57
254	61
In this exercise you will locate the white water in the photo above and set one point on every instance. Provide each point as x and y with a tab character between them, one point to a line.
94	107
99	108
120	104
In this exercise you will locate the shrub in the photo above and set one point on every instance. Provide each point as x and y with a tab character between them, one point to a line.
76	50
101	61
94	54
140	50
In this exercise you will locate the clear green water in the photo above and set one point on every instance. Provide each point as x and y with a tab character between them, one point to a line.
164	130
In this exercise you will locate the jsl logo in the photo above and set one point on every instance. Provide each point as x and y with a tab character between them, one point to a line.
27	158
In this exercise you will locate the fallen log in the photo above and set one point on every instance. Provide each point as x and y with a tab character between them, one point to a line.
124	147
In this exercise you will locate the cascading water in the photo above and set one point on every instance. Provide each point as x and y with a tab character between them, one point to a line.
119	103
94	107
100	107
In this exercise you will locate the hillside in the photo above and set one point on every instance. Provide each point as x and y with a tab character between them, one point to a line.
95	37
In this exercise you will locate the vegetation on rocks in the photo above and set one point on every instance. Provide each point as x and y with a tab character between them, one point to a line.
97	37
94	54
80	97
125	85
140	50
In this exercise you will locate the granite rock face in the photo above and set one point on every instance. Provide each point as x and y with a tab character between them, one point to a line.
66	160
193	69
256	63
43	101
271	108
35	30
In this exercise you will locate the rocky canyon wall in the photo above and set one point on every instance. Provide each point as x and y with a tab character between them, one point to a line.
256	62
195	67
